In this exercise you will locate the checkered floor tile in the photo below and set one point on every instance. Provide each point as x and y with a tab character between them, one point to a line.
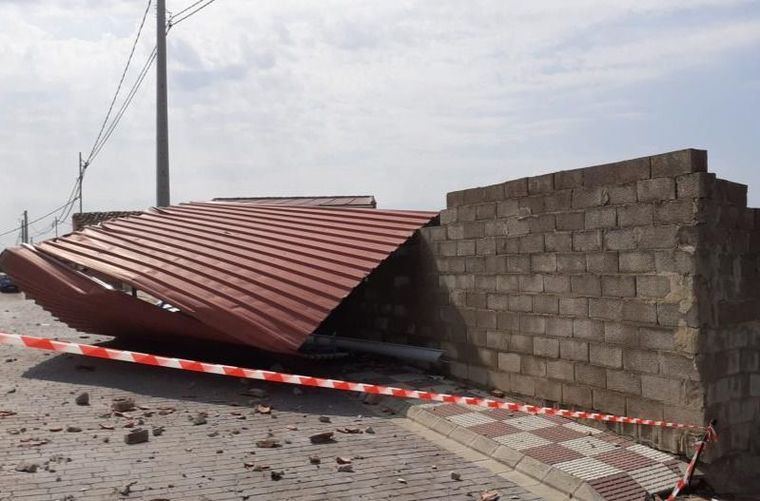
522	440
616	467
587	468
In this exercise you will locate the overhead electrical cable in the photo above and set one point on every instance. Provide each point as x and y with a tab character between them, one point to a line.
176	19
121	82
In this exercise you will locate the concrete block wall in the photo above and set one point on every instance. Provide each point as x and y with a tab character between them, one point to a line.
629	288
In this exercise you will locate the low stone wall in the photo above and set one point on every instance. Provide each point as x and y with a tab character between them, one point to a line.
628	288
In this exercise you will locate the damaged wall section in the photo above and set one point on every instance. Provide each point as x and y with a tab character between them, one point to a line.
629	288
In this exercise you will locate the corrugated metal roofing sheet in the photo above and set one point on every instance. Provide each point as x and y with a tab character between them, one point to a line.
259	275
365	201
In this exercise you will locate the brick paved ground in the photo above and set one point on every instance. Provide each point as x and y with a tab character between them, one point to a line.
197	462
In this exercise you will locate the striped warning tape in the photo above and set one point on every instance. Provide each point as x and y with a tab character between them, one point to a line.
710	436
278	377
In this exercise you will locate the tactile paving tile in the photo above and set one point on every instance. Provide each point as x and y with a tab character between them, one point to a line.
500	413
654	478
528	423
558	433
495	429
470	419
587	468
589	446
582	428
556	419
618	487
658	456
521	441
625	459
552	453
445	410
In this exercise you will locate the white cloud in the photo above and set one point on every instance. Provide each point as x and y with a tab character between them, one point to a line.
404	99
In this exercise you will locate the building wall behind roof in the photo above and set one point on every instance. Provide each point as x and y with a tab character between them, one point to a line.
629	288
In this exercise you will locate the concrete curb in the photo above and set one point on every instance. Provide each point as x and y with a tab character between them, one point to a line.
569	485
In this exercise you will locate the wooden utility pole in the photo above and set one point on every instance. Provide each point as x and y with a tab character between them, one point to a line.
162	119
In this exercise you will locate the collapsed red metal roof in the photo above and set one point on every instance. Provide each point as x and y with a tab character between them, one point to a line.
259	275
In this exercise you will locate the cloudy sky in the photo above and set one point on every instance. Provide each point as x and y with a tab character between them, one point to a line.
405	100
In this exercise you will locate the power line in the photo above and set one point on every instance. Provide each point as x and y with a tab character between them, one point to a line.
121	81
128	100
186	9
174	21
17	228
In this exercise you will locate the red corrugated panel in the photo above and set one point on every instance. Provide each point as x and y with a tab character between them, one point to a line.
264	276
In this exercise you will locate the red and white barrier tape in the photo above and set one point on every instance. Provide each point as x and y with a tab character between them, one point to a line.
710	436
277	377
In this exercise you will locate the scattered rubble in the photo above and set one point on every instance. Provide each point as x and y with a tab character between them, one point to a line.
268	443
401	480
325	419
199	419
342	460
83	399
263	409
124	404
346	468
322	438
136	436
73	429
497	393
369	430
158	431
127	489
490	496
27	467
276	475
315	460
455	475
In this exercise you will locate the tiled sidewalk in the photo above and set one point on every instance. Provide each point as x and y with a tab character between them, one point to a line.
613	466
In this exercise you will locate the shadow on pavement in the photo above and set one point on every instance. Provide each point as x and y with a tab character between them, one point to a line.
201	387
